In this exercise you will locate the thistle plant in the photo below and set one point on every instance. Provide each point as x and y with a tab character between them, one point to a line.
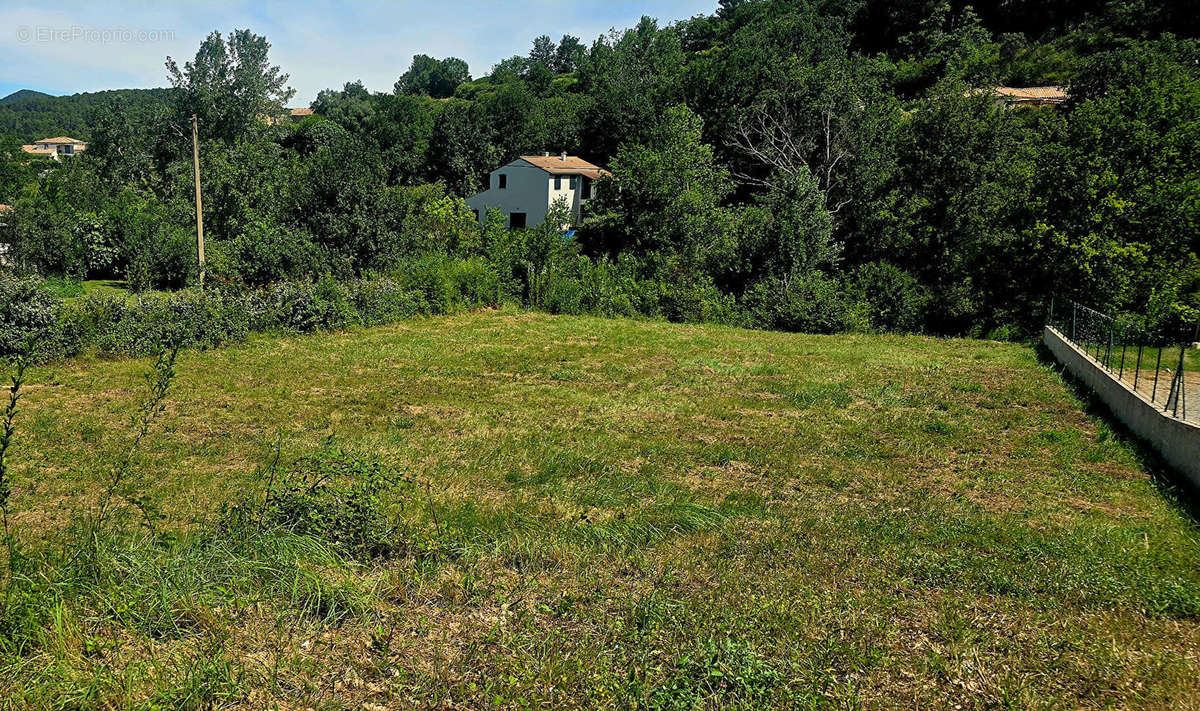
158	382
6	437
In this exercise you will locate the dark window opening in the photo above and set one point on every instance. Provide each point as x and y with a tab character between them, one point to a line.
516	221
574	182
587	189
557	183
502	181
476	215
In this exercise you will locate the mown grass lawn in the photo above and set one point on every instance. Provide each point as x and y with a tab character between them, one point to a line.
646	515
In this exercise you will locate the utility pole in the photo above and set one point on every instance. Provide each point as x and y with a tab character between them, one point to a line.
199	212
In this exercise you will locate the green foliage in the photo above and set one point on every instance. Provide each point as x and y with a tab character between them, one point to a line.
29	115
338	498
720	674
767	159
805	301
893	298
27	315
432	77
668	192
230	85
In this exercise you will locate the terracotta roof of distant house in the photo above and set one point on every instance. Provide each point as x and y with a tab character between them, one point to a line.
1048	94
5	208
566	165
300	112
30	148
59	139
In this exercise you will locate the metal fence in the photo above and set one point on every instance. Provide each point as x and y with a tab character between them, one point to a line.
1161	365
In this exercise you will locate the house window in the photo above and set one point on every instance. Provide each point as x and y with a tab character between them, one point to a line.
476	215
501	181
587	190
557	183
574	182
516	221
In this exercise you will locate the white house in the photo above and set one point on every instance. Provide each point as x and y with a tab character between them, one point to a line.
55	147
525	189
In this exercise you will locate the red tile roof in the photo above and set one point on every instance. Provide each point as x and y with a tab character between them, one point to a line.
566	165
1048	94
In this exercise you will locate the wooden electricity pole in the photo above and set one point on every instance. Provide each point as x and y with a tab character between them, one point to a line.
199	212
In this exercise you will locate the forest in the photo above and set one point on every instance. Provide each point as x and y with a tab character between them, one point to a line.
806	165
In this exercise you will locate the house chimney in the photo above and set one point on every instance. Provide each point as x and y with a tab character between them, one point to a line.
563	157
545	154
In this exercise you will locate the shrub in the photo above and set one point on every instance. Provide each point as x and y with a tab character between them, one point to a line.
337	497
28	315
333	306
809	302
263	253
163	256
893	298
697	300
427	276
379	300
303	307
192	318
475	282
562	294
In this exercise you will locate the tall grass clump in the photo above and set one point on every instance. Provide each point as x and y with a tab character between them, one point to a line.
305	544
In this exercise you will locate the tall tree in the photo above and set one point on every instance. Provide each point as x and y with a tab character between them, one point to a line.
568	55
433	77
543	51
230	85
351	107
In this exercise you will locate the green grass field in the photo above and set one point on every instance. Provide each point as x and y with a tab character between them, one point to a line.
613	513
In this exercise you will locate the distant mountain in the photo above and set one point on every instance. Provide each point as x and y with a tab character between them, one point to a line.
28	115
24	95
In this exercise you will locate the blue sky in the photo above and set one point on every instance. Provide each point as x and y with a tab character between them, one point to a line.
68	47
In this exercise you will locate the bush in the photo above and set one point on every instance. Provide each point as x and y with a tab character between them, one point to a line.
28	315
697	300
163	256
449	284
337	498
188	319
427	276
475	282
809	303
262	254
301	306
378	301
893	298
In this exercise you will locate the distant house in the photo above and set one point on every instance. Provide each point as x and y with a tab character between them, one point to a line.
55	147
4	247
525	189
1031	95
292	115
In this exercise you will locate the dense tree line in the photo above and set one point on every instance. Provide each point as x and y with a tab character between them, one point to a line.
26	116
799	164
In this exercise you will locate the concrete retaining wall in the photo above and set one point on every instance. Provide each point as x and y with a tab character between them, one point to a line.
1177	441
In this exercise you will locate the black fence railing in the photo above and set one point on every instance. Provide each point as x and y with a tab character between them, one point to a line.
1158	363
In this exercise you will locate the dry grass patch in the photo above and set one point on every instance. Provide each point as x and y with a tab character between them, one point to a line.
608	513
